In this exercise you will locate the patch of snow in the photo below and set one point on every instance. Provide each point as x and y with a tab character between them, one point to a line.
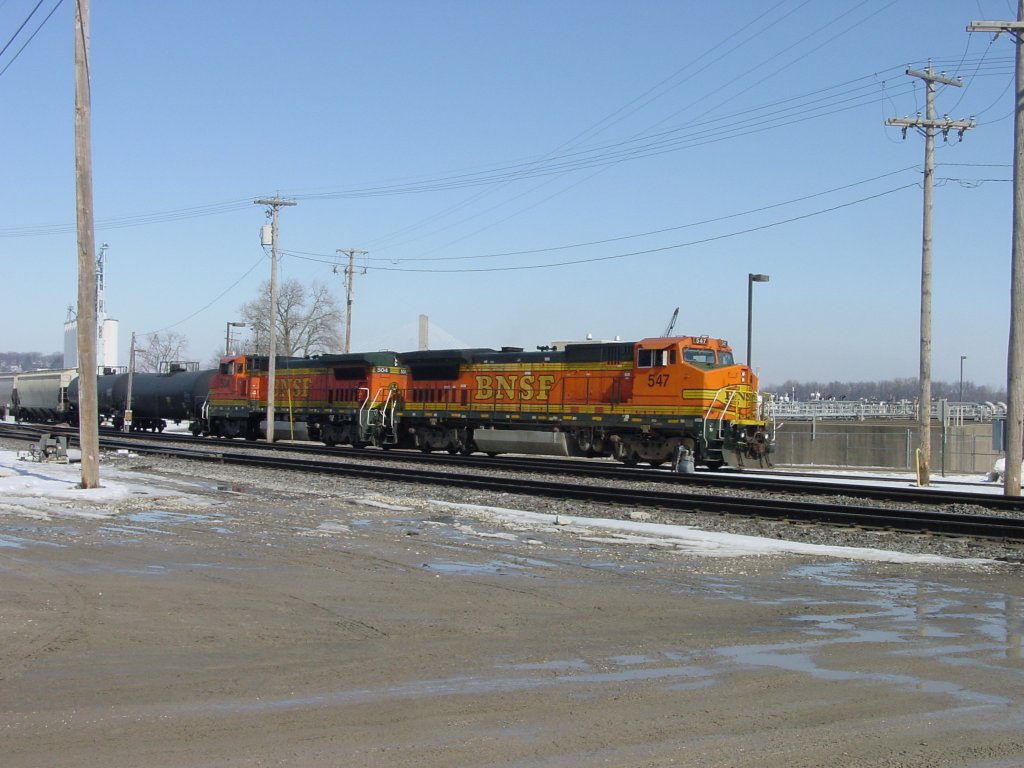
690	539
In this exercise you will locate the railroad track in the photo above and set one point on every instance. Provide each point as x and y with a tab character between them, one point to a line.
741	481
677	499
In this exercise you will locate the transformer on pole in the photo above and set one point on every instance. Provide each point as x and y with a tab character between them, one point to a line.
928	127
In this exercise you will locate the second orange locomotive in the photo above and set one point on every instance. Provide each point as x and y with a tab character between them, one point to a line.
634	401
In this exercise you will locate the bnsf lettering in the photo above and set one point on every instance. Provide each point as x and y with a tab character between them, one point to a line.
295	388
513	387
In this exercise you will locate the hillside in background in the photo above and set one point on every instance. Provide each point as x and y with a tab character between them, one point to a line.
29	361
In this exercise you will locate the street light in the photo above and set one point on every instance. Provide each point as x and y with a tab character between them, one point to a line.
128	395
751	279
227	336
962	358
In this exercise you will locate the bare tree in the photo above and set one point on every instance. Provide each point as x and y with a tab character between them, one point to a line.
160	348
308	321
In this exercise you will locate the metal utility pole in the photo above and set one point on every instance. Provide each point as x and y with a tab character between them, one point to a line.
1015	353
128	416
274	204
349	274
227	336
928	127
88	415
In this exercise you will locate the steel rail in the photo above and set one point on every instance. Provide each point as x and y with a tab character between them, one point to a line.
675	501
747	481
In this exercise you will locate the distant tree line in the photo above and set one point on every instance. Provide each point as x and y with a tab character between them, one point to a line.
884	391
30	361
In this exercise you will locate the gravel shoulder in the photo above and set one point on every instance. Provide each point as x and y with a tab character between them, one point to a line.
228	619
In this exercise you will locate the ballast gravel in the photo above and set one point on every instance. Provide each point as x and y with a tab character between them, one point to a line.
288	484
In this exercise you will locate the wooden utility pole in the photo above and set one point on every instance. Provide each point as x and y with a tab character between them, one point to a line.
1015	352
349	275
928	128
274	203
88	416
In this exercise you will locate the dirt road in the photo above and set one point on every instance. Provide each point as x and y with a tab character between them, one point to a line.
342	627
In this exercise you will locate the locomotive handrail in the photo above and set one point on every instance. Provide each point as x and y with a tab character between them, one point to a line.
735	392
724	410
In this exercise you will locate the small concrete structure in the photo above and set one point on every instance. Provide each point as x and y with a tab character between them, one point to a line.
887	443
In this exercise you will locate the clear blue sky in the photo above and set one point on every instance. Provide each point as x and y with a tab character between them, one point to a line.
523	172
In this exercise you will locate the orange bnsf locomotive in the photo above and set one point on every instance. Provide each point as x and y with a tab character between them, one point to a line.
633	401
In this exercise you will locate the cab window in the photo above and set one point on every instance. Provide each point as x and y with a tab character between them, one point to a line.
655	358
696	356
725	358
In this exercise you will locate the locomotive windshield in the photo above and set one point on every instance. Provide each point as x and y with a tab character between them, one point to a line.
696	356
704	356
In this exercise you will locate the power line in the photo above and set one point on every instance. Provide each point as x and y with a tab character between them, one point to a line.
31	37
781	113
648	233
647	251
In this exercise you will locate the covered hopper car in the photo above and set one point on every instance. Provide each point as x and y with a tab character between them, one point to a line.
42	395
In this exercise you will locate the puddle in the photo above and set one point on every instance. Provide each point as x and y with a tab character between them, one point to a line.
19	542
465	568
145	523
569	672
160	516
798	657
953	626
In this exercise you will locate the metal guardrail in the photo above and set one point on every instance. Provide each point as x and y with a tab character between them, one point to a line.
860	410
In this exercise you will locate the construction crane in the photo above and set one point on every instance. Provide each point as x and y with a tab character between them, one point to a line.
671	323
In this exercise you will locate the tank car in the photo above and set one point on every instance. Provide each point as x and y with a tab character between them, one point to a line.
175	395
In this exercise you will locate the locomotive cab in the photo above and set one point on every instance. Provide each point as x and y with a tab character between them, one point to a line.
699	377
229	390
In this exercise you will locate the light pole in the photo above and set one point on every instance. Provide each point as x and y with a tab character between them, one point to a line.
751	279
128	395
227	336
962	358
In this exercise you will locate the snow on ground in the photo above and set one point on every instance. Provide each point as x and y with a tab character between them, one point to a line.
886	478
691	539
46	490
51	489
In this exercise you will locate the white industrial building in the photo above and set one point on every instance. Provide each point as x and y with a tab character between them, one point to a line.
106	328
